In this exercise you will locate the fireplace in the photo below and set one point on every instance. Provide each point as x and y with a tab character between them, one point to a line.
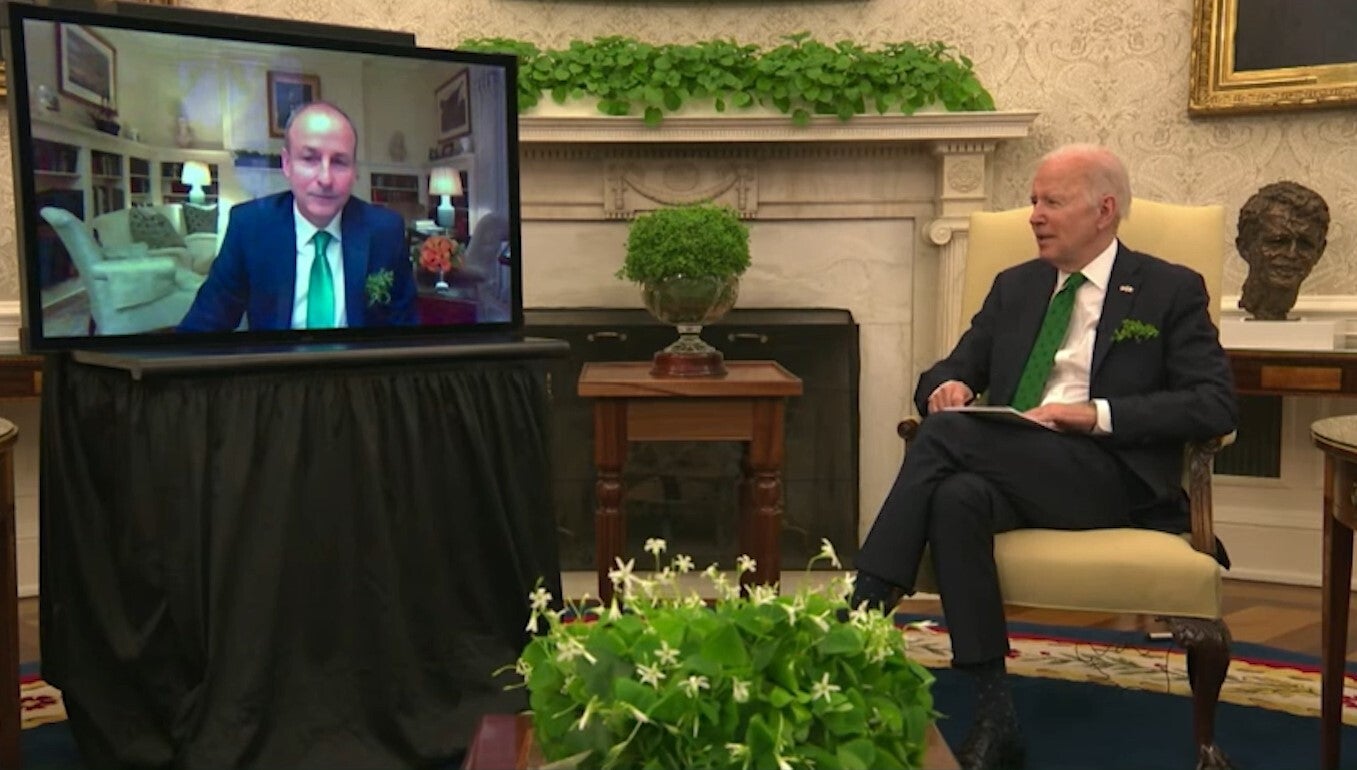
868	216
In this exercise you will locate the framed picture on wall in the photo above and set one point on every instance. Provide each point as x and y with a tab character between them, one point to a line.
87	66
453	101
4	77
1271	55
287	91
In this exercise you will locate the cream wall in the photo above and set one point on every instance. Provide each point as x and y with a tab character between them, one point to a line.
1110	73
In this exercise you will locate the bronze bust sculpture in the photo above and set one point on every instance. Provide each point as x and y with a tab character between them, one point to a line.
1283	229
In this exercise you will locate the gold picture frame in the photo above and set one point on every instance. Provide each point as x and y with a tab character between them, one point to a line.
4	67
1219	85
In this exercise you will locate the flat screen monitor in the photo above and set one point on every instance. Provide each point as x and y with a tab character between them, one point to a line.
180	182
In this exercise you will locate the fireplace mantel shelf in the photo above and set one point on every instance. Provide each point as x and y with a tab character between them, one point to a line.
923	127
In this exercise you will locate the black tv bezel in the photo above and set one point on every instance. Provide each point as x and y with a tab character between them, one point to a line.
231	27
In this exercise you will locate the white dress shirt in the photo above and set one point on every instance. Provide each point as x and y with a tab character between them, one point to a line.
306	254
1068	381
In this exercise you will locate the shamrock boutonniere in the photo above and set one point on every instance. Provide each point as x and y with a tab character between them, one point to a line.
378	287
1131	329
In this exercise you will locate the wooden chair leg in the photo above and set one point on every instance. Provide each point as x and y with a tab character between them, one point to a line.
1208	658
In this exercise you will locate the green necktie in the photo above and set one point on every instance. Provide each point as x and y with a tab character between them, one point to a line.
1039	362
320	298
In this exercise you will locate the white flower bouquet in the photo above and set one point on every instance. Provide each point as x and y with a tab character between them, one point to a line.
752	681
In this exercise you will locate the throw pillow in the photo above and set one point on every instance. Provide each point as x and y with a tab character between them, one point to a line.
200	219
153	228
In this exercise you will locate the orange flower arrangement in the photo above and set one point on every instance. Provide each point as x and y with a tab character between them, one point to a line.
438	254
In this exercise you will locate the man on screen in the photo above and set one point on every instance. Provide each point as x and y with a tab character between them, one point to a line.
314	257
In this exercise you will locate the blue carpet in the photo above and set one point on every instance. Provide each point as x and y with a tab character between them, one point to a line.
1068	724
1076	725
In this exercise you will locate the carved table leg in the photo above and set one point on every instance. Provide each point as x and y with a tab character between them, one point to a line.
610	452
1208	658
761	514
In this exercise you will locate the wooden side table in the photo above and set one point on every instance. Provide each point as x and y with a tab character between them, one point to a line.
746	405
1337	438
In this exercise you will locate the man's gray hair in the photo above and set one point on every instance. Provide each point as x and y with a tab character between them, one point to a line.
1104	174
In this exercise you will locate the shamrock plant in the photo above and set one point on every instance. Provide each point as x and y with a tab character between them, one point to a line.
800	77
753	680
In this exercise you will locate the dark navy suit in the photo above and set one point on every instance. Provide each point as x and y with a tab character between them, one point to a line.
965	478
254	275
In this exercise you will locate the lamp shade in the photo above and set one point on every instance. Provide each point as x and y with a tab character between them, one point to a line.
445	181
196	173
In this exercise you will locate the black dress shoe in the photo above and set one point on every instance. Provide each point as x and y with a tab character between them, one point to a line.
992	745
879	594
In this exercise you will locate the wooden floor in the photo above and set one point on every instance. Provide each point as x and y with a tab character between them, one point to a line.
1280	616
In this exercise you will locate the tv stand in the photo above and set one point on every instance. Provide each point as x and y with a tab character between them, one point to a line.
291	566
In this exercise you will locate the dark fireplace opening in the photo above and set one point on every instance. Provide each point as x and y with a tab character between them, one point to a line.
688	492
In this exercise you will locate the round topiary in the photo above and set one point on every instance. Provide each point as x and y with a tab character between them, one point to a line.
694	240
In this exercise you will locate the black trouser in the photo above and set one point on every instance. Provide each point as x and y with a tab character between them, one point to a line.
966	478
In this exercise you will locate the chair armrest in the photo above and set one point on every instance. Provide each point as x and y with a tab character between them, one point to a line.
1197	459
908	428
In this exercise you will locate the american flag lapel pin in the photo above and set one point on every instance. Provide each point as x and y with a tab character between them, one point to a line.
1126	288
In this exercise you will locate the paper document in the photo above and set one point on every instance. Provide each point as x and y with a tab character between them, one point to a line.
1002	413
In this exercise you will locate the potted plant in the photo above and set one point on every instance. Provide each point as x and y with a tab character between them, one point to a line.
688	260
754	680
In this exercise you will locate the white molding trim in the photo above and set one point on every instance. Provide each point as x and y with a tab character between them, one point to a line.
922	127
11	319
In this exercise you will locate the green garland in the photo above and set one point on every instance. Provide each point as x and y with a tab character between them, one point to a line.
802	77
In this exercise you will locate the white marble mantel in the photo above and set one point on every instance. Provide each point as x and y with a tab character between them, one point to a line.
869	215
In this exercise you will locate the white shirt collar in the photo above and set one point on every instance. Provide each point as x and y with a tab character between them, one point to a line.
306	231
1099	271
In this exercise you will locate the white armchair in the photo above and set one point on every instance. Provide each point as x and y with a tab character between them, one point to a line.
129	295
114	231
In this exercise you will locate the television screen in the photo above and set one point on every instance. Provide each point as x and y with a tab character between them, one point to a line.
180	182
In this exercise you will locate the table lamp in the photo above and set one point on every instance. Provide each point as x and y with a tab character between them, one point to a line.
197	176
445	181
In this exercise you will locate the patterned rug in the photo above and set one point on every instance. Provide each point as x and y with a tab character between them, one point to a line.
1258	676
1086	698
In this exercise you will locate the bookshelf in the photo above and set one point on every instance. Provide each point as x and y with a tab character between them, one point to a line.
139	188
107	191
398	189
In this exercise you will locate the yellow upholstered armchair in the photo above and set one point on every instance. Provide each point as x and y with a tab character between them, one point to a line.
1135	571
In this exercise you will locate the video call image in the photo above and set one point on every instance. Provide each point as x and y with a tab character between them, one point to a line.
194	185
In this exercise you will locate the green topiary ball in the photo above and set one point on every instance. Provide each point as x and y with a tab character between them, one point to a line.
694	240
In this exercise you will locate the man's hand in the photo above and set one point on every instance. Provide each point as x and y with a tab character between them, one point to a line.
950	393
1068	418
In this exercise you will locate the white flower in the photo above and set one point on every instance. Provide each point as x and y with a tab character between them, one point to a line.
823	688
762	594
650	675
532	623
622	574
540	599
827	552
655	545
737	750
571	649
666	654
739	690
693	684
746	563
588	711
683	563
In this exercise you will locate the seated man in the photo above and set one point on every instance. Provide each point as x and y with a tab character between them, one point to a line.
1111	349
314	257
